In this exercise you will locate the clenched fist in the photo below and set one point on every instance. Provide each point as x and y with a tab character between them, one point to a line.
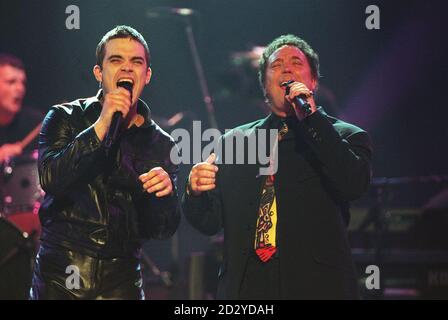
157	180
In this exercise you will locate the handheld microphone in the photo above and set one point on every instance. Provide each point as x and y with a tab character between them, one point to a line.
117	118
299	100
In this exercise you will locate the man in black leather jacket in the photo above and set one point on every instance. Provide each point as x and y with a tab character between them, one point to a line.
100	203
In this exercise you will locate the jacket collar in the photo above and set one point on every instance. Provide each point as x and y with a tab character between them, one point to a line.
272	121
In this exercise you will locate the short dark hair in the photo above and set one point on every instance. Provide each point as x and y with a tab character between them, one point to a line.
7	59
120	32
288	40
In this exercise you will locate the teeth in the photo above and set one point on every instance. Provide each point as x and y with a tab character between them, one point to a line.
126	80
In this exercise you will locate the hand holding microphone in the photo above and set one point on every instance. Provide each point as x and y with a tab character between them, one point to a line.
116	106
118	115
300	97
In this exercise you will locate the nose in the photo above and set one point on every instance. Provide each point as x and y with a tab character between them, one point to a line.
127	66
287	68
20	87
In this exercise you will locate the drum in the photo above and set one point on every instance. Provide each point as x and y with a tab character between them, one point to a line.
16	253
21	193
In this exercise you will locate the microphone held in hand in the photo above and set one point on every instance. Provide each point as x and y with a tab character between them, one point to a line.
117	118
299	100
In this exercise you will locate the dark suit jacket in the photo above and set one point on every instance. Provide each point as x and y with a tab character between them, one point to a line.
323	164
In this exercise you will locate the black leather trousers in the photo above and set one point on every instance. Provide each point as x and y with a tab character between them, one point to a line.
56	276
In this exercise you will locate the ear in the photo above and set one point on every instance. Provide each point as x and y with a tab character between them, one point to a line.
267	97
97	72
148	75
314	84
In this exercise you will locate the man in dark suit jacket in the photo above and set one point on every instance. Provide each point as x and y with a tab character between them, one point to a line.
295	245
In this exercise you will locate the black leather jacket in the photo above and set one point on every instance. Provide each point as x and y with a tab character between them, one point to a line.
94	202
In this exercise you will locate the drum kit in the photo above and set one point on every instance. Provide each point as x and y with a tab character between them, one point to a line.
20	200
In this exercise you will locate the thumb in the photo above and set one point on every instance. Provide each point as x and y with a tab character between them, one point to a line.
211	158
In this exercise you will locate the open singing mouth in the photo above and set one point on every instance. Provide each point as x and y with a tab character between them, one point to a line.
126	79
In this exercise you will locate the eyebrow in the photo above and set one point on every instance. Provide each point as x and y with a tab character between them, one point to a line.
117	56
138	59
276	60
292	58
